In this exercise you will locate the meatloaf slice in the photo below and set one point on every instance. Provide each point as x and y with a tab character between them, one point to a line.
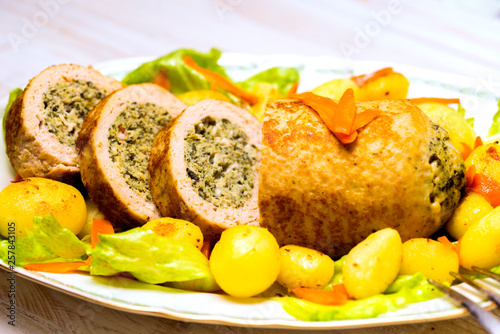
401	172
113	151
43	123
204	167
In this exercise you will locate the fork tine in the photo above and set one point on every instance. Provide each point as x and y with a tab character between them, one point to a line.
484	289
488	273
488	320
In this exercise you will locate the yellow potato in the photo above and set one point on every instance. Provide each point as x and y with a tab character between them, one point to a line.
264	91
196	96
176	229
486	159
452	121
431	258
21	201
303	267
480	245
373	264
388	87
471	209
92	212
335	88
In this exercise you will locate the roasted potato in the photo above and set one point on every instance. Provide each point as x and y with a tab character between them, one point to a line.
387	87
480	244
335	88
21	201
176	229
486	159
471	209
431	258
303	267
264	91
373	264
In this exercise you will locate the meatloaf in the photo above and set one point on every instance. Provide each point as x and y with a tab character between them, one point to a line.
204	167
401	172
113	150
43	123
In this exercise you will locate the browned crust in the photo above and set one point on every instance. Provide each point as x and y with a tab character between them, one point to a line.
31	149
106	187
319	193
170	185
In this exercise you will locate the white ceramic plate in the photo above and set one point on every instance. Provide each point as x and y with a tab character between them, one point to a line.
137	297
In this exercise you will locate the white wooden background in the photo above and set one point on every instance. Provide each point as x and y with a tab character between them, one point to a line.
461	37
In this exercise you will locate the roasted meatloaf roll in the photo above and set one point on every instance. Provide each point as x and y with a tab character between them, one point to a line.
113	151
204	167
43	123
401	172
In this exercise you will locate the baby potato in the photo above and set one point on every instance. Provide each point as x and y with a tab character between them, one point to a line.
176	229
471	209
303	267
264	91
21	201
245	261
196	96
452	121
480	244
431	258
335	89
373	264
387	87
486	159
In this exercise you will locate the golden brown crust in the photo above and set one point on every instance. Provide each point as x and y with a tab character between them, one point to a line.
32	150
170	185
106	187
319	193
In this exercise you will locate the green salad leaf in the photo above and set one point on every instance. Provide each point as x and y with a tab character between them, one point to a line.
181	77
495	126
282	78
48	242
148	257
12	97
404	291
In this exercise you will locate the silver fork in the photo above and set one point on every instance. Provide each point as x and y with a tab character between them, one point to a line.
488	320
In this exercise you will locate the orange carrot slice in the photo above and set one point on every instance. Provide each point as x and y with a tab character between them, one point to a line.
219	81
365	117
434	99
488	187
337	296
205	249
161	79
57	267
361	80
100	226
469	174
478	142
345	113
292	91
466	151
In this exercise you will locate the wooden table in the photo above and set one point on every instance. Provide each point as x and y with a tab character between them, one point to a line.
456	37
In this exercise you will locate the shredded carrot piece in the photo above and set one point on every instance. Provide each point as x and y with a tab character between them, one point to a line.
444	240
57	267
161	79
337	296
488	187
361	80
466	150
469	174
218	80
478	142
100	226
292	91
340	118
434	99
205	249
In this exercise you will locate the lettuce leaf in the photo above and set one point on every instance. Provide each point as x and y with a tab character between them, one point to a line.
12	97
495	126
282	78
148	257
48	242
407	290
181	77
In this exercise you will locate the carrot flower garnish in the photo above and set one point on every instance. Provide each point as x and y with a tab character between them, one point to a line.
218	80
361	80
341	118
